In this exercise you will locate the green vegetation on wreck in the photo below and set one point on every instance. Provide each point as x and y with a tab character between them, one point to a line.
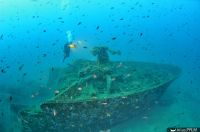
89	80
92	95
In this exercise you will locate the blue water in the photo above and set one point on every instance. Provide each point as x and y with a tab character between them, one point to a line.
33	33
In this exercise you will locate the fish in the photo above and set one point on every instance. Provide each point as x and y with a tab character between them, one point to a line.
24	74
173	130
44	55
10	98
20	67
1	37
97	27
3	71
114	38
111	8
79	23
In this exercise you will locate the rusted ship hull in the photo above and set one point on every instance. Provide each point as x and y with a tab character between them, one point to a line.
93	115
94	98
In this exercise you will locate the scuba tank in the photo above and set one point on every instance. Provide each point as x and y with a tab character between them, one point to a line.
67	45
69	37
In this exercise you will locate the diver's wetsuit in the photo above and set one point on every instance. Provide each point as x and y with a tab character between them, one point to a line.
66	51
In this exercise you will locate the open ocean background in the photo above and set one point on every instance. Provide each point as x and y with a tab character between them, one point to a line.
33	32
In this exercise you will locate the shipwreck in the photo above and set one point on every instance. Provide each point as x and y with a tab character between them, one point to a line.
95	95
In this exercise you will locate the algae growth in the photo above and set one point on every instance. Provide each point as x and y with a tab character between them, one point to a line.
97	95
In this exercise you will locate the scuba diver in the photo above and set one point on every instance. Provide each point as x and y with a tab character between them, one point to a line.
68	45
101	52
